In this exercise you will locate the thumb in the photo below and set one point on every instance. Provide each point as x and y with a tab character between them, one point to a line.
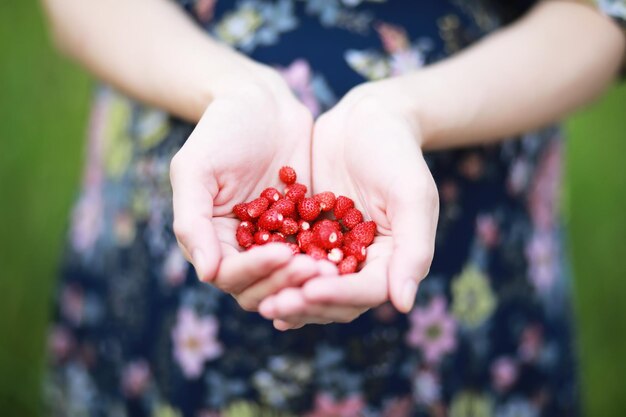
413	233
193	214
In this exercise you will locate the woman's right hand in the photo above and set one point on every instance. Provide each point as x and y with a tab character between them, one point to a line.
250	130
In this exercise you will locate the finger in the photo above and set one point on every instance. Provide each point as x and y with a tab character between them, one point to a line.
238	271
283	325
290	305
193	212
413	227
363	289
299	269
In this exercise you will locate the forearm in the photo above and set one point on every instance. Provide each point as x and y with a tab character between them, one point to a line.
557	58
149	49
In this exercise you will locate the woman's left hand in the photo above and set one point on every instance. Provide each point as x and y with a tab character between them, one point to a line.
366	149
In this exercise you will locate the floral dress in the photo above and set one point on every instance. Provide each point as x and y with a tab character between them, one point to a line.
136	334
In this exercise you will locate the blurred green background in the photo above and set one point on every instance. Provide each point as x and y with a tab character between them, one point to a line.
44	102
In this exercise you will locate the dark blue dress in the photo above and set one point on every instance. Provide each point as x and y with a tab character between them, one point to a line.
135	333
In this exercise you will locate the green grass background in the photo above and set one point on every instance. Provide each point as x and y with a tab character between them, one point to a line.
44	102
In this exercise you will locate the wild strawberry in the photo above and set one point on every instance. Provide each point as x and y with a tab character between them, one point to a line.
287	175
308	209
326	223
335	255
261	237
328	238
249	226
270	220
295	249
342	205
316	252
289	227
244	237
363	232
295	192
326	200
241	211
278	237
305	239
304	225
354	248
352	217
257	207
348	265
284	206
272	194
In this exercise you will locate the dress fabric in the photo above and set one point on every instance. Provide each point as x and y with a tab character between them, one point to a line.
135	334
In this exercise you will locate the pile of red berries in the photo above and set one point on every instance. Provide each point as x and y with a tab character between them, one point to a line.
322	226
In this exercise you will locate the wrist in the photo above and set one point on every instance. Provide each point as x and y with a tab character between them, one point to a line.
229	74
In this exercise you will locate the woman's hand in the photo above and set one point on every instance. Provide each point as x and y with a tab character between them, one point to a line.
365	148
246	134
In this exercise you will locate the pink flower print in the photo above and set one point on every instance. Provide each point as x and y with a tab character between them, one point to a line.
542	255
531	343
298	77
86	221
487	230
399	407
204	9
327	406
432	330
504	371
175	267
135	378
60	343
195	341
545	187
73	304
393	37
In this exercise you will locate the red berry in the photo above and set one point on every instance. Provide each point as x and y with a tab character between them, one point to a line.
278	237
309	209
287	175
328	238
363	232
335	255
284	206
295	192
316	252
244	237
289	227
305	239
257	207
270	220
326	200
352	218
354	248
342	205
241	211
348	265
261	237
271	193
326	223
249	226
295	249
304	225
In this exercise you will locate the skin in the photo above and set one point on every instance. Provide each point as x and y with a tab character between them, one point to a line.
561	55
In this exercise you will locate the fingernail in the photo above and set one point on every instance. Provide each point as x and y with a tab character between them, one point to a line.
266	308
408	294
198	262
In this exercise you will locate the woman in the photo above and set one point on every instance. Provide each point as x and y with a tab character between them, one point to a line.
136	334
